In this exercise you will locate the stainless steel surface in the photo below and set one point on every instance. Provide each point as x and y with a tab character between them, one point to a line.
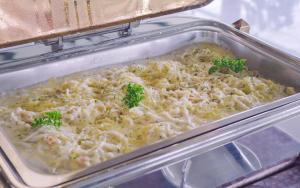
190	148
184	172
268	172
12	55
214	168
31	20
270	62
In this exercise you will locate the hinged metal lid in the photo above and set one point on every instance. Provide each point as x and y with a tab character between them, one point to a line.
31	20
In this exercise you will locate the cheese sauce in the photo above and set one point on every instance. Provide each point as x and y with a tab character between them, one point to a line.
97	126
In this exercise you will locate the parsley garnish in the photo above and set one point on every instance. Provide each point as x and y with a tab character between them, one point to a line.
48	118
236	65
135	94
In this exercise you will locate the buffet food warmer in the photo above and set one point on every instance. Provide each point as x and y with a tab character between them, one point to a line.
45	39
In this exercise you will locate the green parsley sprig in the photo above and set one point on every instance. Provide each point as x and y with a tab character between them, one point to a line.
48	118
135	94
236	65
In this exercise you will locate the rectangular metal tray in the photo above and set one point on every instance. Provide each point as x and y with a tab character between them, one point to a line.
269	62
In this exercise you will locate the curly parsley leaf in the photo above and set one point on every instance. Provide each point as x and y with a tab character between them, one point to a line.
135	94
236	65
48	118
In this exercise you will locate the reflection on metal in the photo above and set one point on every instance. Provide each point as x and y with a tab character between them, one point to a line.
185	169
221	165
57	43
264	173
29	20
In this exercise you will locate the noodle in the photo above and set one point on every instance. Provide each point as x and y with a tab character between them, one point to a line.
179	96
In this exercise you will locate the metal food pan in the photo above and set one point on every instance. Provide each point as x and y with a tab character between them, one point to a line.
269	62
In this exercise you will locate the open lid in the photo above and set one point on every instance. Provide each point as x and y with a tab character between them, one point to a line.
31	20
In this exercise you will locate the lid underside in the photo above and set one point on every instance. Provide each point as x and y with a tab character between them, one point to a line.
31	20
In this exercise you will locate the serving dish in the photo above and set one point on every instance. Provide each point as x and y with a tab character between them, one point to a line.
269	62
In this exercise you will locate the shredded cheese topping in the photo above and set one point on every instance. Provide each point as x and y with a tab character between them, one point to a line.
180	95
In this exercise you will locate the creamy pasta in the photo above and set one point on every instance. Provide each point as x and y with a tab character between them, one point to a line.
180	95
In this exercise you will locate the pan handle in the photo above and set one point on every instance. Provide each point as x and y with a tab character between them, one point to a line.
241	25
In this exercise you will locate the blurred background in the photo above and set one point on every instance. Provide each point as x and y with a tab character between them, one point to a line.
274	21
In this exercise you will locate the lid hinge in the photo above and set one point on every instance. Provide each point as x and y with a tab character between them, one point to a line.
55	43
69	41
128	31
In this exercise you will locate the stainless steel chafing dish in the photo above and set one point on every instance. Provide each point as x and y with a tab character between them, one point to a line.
32	63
